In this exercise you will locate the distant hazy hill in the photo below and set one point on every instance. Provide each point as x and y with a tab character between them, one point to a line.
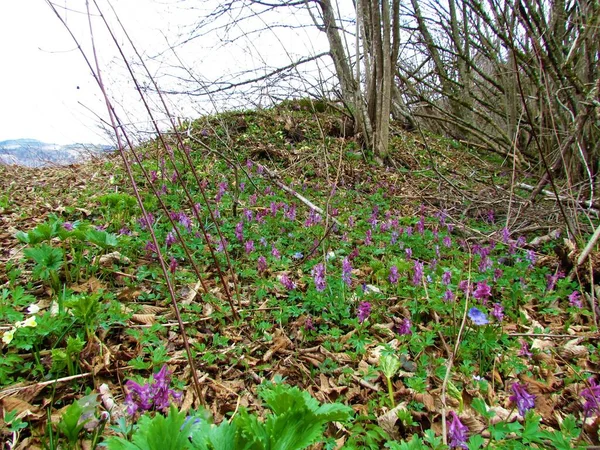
34	153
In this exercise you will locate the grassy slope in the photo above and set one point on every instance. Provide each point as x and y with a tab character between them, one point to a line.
132	331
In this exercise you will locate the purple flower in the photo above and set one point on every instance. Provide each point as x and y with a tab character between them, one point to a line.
373	220
448	295
524	350
408	252
275	253
146	221
248	214
505	235
290	212
125	231
153	176
347	272
249	246
418	273
222	245
483	291
497	274
457	432
261	264
478	317
239	231
308	324
447	277
591	395
523	399
318	273
575	299
552	279
394	237
498	312
531	257
274	208
287	282
171	238
68	226
252	199
420	225
150	247
394	276
154	395
172	265
490	216
464	286
485	264
185	221
404	328
312	219
221	191
368	237
364	310
351	221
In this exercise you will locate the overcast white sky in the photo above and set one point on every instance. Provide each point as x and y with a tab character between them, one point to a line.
46	89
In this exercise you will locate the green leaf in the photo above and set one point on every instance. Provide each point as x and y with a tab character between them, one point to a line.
389	365
47	259
157	433
531	431
70	425
475	442
101	238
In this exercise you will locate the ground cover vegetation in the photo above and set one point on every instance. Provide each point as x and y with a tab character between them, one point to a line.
312	297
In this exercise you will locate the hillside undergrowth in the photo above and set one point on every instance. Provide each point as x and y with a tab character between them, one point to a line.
418	295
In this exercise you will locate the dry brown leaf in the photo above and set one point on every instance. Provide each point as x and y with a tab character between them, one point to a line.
113	258
572	350
144	319
388	420
25	410
128	294
280	342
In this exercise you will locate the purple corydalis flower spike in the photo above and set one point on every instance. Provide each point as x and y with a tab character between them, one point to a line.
262	264
483	291
523	399
394	275
575	299
591	395
287	282
447	277
404	328
524	350
457	432
418	273
364	311
318	273
347	271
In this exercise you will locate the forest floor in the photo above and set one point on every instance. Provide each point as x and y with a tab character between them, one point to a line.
437	262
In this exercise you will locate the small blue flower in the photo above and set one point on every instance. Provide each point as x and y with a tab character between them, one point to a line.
478	317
